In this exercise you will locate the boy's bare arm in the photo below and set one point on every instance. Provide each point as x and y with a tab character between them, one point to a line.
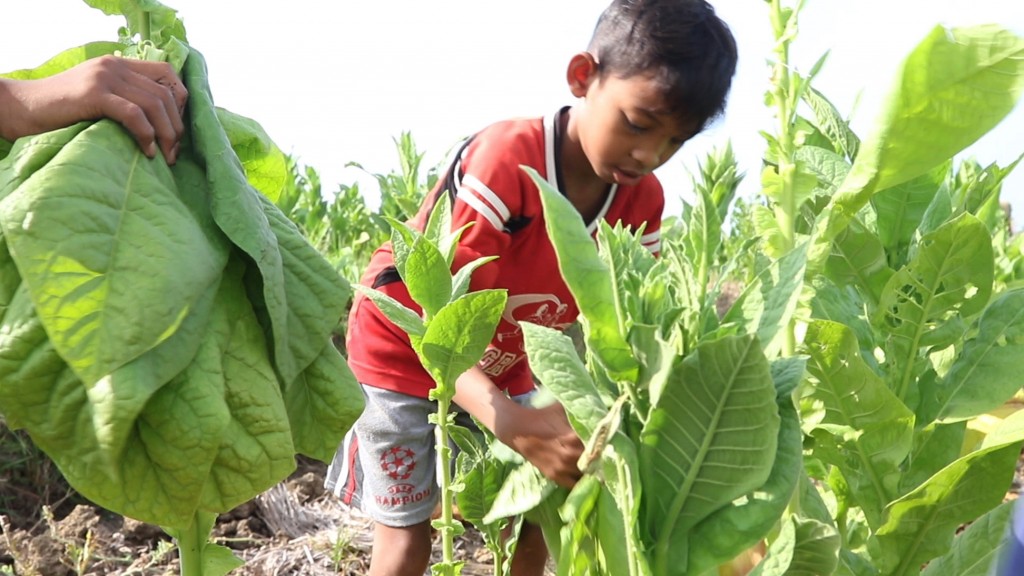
542	435
147	98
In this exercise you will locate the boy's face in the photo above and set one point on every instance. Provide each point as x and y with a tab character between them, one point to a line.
625	129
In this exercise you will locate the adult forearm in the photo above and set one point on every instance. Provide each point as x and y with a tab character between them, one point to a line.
15	120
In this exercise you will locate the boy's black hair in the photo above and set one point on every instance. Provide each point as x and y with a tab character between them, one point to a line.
683	42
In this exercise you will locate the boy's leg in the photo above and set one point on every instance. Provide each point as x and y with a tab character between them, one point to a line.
386	468
531	555
400	551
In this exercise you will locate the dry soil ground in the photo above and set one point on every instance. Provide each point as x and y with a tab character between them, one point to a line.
294	528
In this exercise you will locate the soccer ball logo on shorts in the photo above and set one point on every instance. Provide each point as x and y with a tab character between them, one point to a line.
398	462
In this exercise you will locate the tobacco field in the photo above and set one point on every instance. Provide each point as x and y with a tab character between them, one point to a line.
822	378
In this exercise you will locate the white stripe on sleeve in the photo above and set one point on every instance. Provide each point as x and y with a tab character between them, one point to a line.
487	194
652	241
652	237
469	197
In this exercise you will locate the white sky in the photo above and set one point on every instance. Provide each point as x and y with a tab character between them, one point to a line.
336	81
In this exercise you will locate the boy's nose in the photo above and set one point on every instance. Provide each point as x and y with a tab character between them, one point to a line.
648	157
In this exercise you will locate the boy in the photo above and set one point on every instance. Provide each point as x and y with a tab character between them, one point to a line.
655	73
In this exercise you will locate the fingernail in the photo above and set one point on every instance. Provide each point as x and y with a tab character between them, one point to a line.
173	156
151	150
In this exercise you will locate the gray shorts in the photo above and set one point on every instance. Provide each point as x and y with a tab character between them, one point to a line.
387	464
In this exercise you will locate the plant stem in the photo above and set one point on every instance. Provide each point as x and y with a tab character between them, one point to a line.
190	549
145	29
192	542
784	85
444	473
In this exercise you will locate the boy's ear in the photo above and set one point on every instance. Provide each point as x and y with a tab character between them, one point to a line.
581	72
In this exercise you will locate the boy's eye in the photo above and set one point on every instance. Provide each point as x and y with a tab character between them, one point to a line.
632	126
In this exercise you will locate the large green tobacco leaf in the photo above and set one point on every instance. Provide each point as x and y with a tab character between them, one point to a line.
118	397
831	123
51	404
301	294
986	373
256	449
921	525
954	87
210	438
845	305
588	279
935	446
315	293
406	319
579	532
426	275
703	234
323	402
711	438
189	415
265	165
973	552
457	336
524	489
901	208
747	519
951	273
621	547
860	426
66	59
804	547
481	475
768	303
830	168
554	361
102	239
858	259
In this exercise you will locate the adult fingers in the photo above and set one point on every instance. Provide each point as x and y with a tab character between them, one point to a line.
568	450
165	115
162	74
149	102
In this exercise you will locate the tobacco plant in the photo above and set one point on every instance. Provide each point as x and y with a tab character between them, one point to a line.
875	304
165	330
693	442
908	335
449	333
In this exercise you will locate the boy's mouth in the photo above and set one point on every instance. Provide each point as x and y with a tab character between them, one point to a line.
626	177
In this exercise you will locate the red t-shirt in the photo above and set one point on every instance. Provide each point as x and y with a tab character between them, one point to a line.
493	192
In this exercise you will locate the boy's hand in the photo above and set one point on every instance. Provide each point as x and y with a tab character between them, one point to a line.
544	437
147	98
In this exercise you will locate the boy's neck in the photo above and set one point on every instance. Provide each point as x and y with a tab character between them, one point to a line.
581	185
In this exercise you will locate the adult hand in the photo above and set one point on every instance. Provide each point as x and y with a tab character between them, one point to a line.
545	438
147	98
